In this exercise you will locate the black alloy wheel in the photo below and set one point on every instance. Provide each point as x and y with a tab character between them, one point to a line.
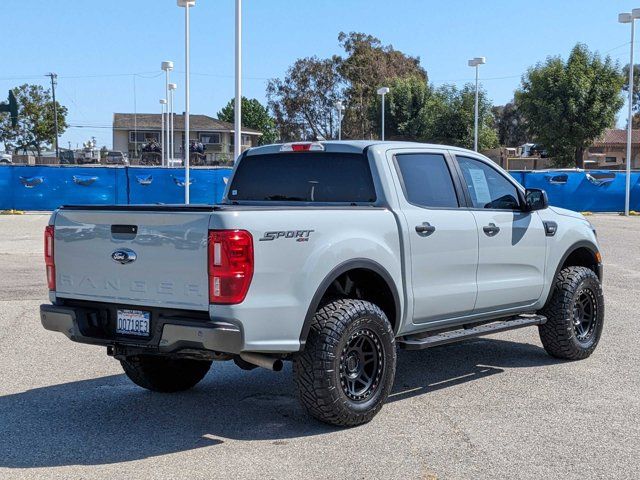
361	365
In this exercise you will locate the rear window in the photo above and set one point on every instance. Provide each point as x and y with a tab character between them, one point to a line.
427	181
316	177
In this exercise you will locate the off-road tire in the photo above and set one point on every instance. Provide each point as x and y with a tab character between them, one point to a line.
164	374
558	334
319	370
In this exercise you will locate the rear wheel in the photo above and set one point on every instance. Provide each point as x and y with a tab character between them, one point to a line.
346	371
575	315
164	374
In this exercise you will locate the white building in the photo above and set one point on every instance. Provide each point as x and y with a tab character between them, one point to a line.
131	131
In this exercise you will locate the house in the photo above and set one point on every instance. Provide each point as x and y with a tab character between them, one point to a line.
610	150
131	131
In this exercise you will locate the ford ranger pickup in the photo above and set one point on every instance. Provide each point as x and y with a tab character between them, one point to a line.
329	255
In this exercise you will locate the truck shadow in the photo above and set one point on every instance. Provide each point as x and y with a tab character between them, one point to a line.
109	420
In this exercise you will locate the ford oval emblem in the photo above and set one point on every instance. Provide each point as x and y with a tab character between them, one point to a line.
124	256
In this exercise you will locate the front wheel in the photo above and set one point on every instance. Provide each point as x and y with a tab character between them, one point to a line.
164	374
575	315
346	371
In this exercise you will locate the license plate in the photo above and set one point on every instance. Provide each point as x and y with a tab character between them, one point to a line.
133	322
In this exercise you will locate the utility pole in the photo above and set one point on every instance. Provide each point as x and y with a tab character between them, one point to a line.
54	81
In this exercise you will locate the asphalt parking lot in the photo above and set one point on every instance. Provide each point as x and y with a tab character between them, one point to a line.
492	408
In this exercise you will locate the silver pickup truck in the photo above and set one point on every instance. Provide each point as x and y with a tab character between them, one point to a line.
329	255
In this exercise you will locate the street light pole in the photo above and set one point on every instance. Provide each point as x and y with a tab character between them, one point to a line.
629	18
172	88
163	102
340	107
382	91
167	66
476	62
186	4
237	147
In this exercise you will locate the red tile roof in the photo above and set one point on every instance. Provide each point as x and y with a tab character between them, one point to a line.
613	136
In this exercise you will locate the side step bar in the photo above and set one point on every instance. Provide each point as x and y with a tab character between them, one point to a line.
420	341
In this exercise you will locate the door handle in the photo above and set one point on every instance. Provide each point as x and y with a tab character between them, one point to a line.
491	229
426	228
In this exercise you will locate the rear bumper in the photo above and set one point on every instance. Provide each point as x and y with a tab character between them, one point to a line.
169	334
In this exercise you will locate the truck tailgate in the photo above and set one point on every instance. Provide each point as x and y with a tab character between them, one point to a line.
134	257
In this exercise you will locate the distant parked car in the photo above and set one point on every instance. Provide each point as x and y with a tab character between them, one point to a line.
539	150
6	158
67	157
115	157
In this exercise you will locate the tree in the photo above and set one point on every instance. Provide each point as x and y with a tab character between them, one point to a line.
255	116
304	101
35	129
636	85
408	109
453	122
510	124
569	104
415	110
368	66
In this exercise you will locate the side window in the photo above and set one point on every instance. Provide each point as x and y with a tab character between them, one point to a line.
427	180
488	187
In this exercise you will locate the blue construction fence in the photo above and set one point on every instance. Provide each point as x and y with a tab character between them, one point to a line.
48	187
584	190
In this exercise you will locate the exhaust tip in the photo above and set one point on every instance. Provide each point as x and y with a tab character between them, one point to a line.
261	360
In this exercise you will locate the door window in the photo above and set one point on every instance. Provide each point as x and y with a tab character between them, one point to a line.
487	186
427	180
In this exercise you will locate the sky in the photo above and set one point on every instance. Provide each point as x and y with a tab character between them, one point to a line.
107	54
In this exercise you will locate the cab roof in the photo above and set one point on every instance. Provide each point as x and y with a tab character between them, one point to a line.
353	146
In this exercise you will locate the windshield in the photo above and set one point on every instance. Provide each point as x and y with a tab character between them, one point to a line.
316	177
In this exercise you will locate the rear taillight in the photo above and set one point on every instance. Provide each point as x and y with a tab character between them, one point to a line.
230	265
48	257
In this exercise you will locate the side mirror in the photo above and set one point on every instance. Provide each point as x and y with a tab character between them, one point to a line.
535	199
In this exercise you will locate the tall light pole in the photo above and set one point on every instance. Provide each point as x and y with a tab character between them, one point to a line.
476	62
382	91
172	88
163	103
167	66
629	18
340	108
187	4
237	107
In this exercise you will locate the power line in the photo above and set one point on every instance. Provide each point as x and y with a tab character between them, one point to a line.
150	74
89	126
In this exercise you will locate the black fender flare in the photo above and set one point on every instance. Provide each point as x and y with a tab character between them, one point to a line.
357	263
581	244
